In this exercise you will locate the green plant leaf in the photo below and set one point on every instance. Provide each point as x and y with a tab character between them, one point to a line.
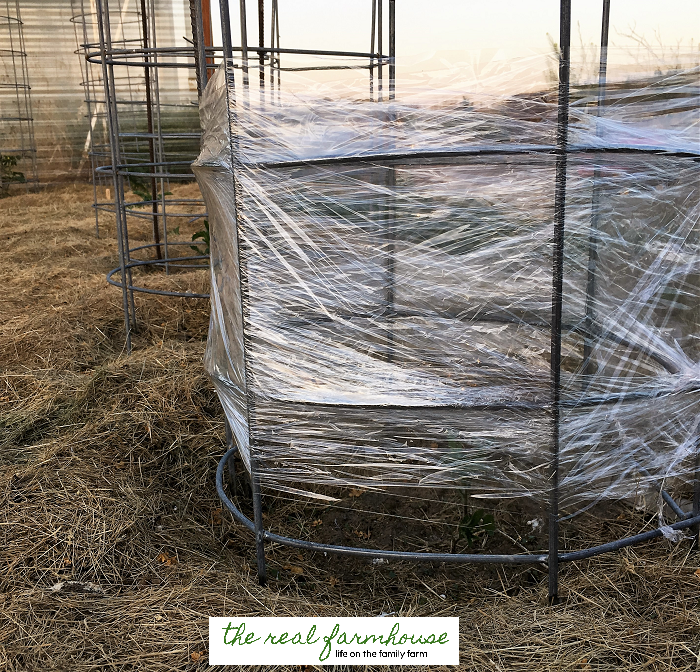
204	237
8	175
143	190
476	525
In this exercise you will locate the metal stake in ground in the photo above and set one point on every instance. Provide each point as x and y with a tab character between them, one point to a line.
557	289
149	121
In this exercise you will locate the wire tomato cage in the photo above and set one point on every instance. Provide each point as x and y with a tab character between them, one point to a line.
395	301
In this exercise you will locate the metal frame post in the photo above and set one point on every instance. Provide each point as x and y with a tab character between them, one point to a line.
380	68
392	49
557	289
391	204
244	39
274	42
696	495
261	44
389	241
102	10
119	199
149	123
371	50
242	278
200	54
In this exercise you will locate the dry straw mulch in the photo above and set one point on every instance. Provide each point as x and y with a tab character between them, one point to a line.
113	546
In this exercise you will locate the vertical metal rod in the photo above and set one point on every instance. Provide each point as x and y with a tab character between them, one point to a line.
258	520
122	199
696	494
371	50
380	70
200	56
244	40
226	37
279	57
273	19
149	122
29	112
557	289
391	205
102	18
588	367
390	223
15	77
242	278
392	49
120	210
158	125
261	42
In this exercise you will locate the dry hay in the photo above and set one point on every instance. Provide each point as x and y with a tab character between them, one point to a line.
113	546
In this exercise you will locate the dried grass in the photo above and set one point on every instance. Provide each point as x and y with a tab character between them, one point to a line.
113	549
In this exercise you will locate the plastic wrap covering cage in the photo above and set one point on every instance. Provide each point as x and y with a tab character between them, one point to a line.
395	294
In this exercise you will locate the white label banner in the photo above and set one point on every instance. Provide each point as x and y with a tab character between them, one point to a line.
333	641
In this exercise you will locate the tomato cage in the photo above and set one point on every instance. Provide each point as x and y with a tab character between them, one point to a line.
17	144
427	287
141	85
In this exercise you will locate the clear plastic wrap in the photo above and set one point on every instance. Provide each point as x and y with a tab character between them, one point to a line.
395	288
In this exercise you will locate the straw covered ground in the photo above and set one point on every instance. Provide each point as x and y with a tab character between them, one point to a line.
114	549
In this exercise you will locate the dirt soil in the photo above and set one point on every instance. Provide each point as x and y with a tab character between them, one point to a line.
114	548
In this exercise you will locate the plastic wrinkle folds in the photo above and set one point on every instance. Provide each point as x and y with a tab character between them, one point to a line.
394	292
